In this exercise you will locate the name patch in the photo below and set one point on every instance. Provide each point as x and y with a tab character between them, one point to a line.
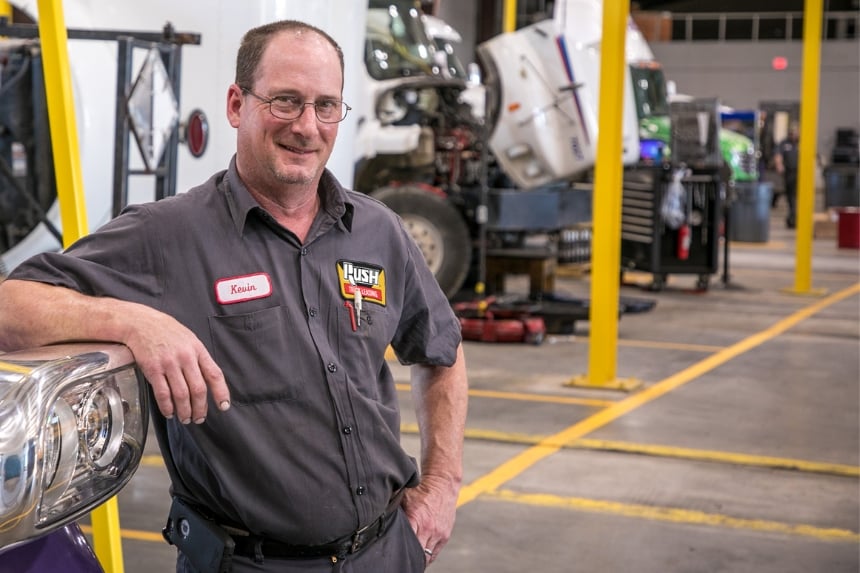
241	289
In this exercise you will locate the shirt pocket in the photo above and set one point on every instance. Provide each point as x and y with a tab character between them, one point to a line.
372	331
252	351
363	349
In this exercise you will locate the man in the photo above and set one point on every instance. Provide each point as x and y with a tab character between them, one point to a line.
785	161
259	307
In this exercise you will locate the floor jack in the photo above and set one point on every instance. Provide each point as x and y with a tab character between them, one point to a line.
488	321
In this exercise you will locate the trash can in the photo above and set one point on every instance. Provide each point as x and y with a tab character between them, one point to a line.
842	186
848	228
749	213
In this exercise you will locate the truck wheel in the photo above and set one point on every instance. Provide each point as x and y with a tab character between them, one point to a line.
439	230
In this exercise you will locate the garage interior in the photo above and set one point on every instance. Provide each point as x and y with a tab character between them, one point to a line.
728	437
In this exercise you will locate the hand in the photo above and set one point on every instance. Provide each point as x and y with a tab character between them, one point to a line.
171	357
177	366
431	508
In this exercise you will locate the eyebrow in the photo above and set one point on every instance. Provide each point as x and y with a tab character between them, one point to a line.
297	94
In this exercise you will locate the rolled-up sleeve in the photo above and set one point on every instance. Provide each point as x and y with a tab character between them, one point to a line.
429	331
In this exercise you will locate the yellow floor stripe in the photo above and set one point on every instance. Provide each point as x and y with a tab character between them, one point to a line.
675	515
770	245
719	457
133	534
152	461
488	435
552	444
668	345
842	470
526	397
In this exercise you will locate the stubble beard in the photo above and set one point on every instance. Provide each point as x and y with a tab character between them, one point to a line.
292	174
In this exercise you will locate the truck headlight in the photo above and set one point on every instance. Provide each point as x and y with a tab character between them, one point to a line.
73	422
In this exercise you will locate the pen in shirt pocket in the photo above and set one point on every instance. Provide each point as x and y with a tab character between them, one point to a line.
356	293
351	311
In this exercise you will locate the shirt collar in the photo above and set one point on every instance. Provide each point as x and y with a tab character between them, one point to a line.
334	200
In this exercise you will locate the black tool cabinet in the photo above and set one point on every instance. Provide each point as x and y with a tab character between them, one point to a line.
649	245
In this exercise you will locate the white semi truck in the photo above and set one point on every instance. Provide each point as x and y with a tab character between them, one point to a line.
515	160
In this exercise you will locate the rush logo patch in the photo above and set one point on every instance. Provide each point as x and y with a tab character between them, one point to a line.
369	279
239	289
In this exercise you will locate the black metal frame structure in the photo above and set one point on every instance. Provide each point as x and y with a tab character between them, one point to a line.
169	43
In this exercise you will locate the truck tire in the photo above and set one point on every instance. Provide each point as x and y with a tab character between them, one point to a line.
439	230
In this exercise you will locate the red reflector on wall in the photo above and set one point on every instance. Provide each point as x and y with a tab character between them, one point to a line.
779	63
196	132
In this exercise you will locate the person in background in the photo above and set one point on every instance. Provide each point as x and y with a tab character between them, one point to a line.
785	161
259	306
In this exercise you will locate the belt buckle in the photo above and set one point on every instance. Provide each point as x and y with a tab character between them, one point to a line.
356	538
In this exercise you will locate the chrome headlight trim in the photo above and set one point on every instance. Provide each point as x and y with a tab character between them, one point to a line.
73	423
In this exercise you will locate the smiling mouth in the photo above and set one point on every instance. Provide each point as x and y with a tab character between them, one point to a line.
293	149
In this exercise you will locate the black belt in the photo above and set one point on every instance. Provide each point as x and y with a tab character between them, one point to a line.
260	547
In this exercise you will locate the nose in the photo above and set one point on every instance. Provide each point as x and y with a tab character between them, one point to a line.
307	120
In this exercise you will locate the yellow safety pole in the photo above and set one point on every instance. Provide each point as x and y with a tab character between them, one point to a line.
810	77
510	16
608	182
73	215
61	113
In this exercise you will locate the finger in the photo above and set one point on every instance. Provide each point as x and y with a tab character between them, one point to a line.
196	394
179	394
161	392
214	378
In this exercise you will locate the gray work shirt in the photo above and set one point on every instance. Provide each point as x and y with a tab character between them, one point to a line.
310	450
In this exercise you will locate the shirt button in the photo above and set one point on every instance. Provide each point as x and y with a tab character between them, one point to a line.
304	251
332	367
312	312
360	490
347	430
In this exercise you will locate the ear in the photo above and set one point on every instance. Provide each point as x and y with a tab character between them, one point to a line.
235	98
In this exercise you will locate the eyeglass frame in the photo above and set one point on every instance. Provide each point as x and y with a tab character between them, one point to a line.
345	106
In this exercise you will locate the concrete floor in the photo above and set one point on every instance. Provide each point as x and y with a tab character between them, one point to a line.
739	453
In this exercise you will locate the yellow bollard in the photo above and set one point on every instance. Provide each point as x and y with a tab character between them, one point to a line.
810	79
606	236
70	193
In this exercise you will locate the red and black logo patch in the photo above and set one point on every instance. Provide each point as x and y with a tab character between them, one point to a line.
370	279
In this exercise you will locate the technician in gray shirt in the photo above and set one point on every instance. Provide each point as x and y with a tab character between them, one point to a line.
259	306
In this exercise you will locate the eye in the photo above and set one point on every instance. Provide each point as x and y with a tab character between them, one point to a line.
286	101
327	105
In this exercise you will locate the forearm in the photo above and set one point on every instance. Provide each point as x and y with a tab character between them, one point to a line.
441	403
171	357
34	314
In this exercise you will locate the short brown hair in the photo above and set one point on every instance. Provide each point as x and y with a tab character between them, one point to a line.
254	43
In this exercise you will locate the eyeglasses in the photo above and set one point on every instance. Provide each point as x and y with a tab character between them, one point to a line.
290	107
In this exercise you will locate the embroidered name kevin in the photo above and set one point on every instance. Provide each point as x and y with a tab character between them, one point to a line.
243	288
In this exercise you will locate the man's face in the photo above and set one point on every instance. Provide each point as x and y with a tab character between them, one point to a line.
274	152
793	131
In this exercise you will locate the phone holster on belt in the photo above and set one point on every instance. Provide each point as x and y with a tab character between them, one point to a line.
203	542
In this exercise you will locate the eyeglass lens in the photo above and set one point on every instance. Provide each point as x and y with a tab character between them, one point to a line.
327	112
